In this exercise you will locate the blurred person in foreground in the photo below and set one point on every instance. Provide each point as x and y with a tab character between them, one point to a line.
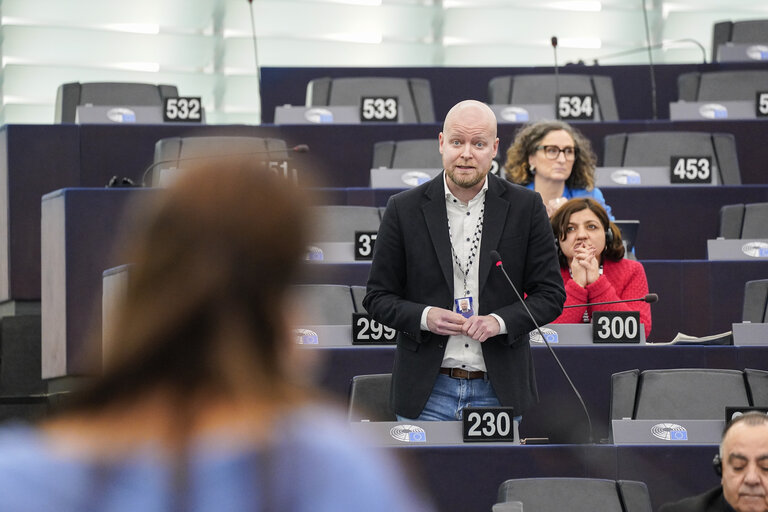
556	160
200	406
593	265
742	463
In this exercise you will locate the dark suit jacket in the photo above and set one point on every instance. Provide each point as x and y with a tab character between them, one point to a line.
710	501
413	268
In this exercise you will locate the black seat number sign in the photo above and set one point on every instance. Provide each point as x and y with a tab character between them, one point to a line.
379	109
690	169
367	331
576	106
488	424
761	105
364	241
183	110
616	327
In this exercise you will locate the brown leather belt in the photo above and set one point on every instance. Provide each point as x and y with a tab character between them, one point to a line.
458	373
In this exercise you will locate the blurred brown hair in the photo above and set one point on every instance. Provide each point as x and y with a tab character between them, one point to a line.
613	251
204	313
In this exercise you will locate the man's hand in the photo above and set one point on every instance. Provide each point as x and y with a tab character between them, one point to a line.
443	321
481	328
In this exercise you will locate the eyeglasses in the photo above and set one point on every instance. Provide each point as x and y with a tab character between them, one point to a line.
553	152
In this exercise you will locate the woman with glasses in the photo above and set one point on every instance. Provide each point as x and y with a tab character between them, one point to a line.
555	160
593	265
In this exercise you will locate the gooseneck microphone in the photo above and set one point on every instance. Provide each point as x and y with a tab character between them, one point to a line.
497	261
650	62
650	299
557	75
299	148
255	46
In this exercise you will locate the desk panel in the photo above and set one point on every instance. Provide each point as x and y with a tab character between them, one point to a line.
41	158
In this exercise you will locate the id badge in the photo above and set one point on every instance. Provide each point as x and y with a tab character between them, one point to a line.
464	306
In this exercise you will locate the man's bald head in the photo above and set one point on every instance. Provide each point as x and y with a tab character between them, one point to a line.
472	108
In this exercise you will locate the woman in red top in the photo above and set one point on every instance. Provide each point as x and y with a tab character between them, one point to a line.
593	265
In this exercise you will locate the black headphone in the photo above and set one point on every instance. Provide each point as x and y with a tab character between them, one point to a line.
717	464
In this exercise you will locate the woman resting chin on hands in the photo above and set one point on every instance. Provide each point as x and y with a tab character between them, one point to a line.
593	266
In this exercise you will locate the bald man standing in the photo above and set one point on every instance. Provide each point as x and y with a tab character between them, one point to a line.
462	333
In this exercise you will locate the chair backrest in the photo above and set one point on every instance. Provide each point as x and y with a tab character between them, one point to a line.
69	96
742	32
414	94
576	494
685	393
369	398
324	304
175	152
654	149
358	293
407	154
721	85
755	301
542	89
335	223
744	221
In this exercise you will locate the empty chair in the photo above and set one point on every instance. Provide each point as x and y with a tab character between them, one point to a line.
358	292
655	149
576	494
755	301
71	95
685	393
335	223
542	89
175	152
738	32
369	398
402	154
324	304
405	163
414	95
722	85
744	221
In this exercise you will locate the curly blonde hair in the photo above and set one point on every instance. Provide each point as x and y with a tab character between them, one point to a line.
530	136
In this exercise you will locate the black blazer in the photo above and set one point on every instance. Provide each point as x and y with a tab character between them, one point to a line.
710	501
413	268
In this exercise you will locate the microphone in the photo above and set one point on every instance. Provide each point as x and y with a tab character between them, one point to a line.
650	299
255	47
299	148
496	257
663	44
650	62
557	75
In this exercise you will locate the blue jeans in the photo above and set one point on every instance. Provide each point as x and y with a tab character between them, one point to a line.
450	396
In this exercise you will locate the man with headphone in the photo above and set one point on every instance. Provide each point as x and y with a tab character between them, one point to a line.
742	464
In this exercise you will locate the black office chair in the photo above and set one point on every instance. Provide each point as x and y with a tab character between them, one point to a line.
655	149
324	304
407	154
685	393
71	95
176	152
358	294
739	32
576	495
755	302
744	221
721	85
541	89
369	398
414	94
